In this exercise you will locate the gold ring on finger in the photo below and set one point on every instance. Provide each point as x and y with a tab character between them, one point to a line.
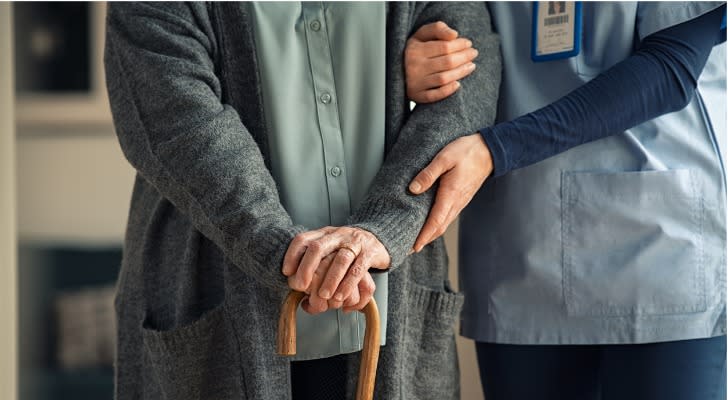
348	247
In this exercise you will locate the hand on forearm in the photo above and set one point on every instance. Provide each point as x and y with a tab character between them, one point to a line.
462	167
332	265
435	61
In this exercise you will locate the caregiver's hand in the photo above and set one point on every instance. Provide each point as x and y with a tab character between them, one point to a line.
435	60
462	167
350	253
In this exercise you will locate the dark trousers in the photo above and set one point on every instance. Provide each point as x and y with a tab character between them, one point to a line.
682	370
323	379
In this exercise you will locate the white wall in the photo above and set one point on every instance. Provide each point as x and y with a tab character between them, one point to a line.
8	248
72	187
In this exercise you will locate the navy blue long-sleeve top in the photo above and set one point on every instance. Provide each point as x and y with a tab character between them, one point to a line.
658	78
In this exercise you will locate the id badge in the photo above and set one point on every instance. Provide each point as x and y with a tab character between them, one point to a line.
556	32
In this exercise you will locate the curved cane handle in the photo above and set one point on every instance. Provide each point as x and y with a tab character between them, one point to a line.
286	341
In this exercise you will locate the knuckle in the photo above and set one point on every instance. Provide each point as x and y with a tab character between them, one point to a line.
428	174
449	62
444	158
316	246
440	79
444	47
299	239
439	25
356	270
344	257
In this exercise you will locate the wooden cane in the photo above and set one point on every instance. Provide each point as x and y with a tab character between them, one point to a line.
286	341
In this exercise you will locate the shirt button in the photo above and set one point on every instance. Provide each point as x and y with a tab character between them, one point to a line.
315	25
325	98
336	171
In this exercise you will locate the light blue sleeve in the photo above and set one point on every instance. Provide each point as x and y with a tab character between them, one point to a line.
655	16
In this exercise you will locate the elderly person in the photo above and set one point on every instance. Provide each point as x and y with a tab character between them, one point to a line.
250	124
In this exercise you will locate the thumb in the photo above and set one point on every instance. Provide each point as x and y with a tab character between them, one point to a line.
435	31
428	176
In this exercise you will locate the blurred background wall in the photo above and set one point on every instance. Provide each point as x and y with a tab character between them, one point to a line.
73	191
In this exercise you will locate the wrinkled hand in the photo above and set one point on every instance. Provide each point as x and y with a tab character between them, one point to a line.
331	264
435	60
462	167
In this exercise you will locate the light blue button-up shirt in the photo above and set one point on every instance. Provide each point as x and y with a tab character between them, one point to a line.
621	240
323	84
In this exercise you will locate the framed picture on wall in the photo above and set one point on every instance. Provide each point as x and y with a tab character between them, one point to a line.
59	64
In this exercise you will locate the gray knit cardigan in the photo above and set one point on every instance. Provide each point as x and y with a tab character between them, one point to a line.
200	286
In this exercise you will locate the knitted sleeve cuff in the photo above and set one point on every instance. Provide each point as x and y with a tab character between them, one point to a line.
393	229
266	254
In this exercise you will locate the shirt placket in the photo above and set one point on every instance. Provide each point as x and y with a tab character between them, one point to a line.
327	112
322	72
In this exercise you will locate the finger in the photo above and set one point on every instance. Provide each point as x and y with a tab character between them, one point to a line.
353	276
333	304
315	303
366	292
297	249
437	217
437	48
435	31
451	61
432	172
337	271
454	212
440	79
433	95
353	299
315	252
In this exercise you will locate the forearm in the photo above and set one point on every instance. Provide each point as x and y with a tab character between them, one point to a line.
172	127
660	77
389	211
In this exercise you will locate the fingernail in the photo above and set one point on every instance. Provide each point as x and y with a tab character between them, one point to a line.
339	297
325	294
457	84
476	52
415	187
469	43
471	66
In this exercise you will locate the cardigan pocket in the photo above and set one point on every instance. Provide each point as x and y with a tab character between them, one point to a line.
632	243
431	364
196	361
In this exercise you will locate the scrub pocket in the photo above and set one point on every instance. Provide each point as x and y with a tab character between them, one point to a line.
197	361
431	365
632	243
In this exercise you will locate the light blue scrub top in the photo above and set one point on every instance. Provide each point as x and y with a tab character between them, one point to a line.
617	241
323	85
